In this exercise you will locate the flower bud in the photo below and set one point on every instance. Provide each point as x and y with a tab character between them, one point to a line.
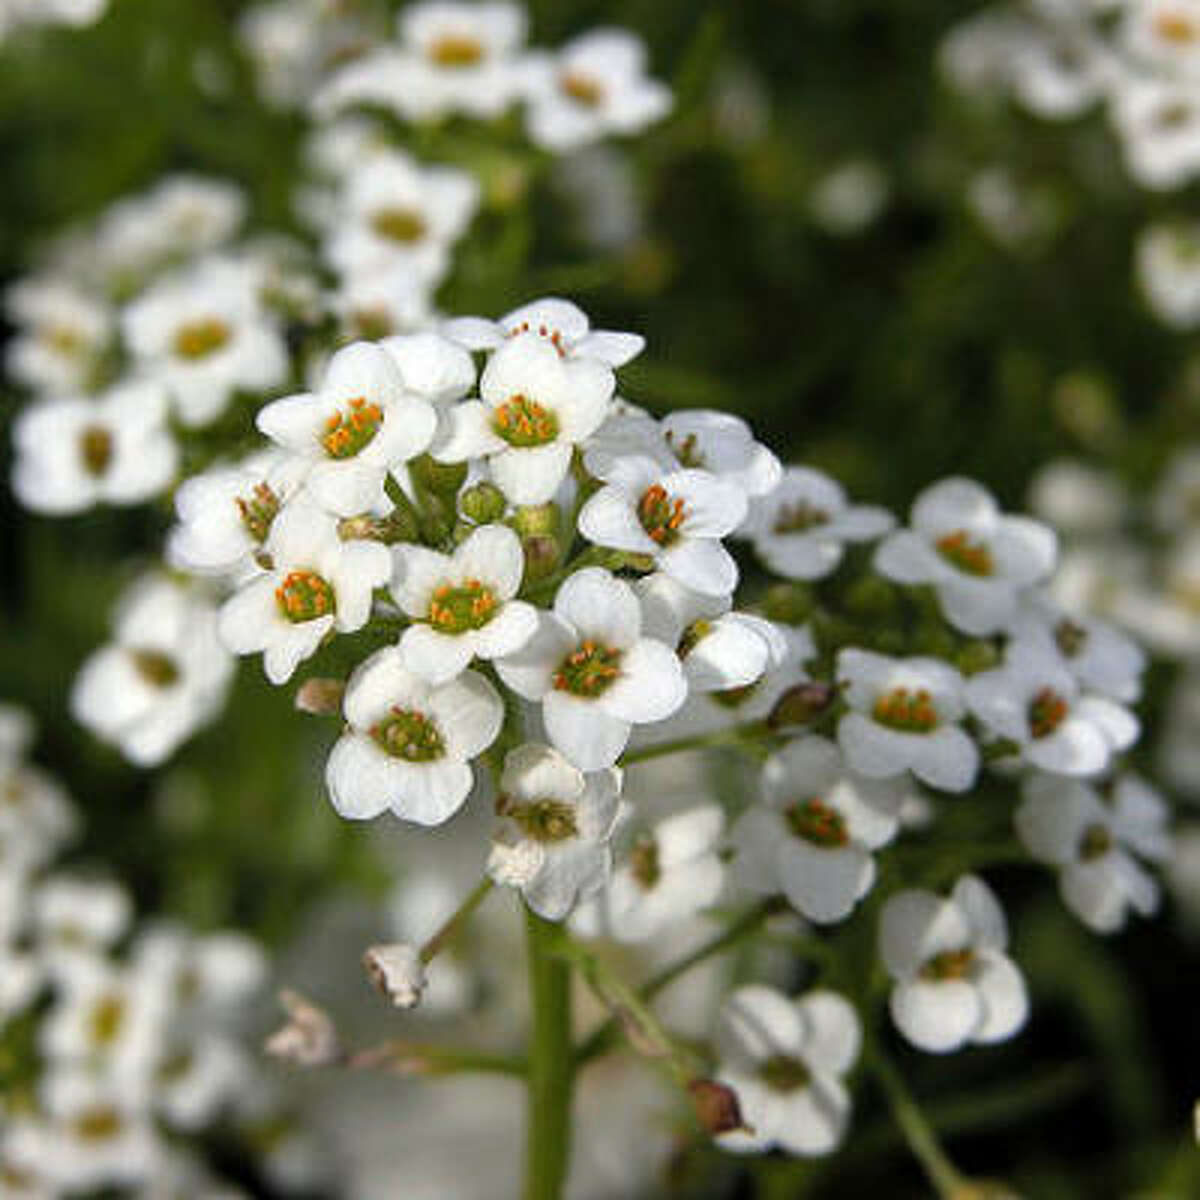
788	603
802	704
309	1039
716	1106
321	697
442	479
397	971
483	503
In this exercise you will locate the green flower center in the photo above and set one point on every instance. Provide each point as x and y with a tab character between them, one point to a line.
106	1020
1095	843
799	517
201	338
949	964
1047	711
258	512
64	340
372	324
410	735
661	515
783	1073
972	558
692	636
906	711
456	50
304	596
403	225
97	1124
175	1067
457	609
583	89
155	667
1071	638
524	422
96	449
346	433
541	820
818	823
644	863
686	450
588	671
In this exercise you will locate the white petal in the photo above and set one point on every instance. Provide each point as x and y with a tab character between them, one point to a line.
601	607
583	731
650	687
938	1017
1003	996
531	475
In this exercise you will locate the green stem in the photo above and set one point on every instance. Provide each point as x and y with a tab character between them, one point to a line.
698	741
451	926
548	1125
946	1178
415	1058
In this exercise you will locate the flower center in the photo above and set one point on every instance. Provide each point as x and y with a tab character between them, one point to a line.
583	89
1047	711
403	225
541	820
408	734
96	449
64	340
644	864
692	636
783	1073
907	711
588	671
818	823
175	1067
661	515
456	50
1095	843
972	558
1173	115
799	517
155	667
686	451
457	609
346	433
258	512
1071	638
98	1123
1175	27
304	596
524	422
201	338
950	964
106	1020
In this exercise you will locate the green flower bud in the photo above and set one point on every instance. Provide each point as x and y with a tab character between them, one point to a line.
483	503
442	479
537	520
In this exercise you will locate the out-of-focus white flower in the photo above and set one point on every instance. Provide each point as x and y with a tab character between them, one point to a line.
1159	125
75	915
409	745
1093	845
76	453
164	676
904	715
953	982
850	197
1168	269
977	559
554	821
64	330
378	303
1176	500
1164	35
593	671
1077	498
785	1060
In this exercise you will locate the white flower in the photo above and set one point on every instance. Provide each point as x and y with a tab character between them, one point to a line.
462	605
1061	75
197	1076
593	671
563	324
1159	124
953	982
595	85
676	518
800	527
433	366
203	334
850	197
555	821
357	427
671	871
1034	701
785	1060
65	331
397	970
318	584
1076	498
208	978
1092	843
1176	501
903	717
164	676
409	745
379	303
535	407
1164	35
75	453
226	513
78	915
36	817
395	213
977	559
1168	269
813	835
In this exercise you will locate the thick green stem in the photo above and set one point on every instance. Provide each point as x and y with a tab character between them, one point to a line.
548	1123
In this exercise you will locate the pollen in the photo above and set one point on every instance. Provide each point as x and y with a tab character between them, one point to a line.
199	339
1047	711
523	422
462	607
304	596
972	558
1176	28
408	734
403	225
456	50
258	512
817	822
905	710
96	449
347	433
949	964
588	671
583	89
553	336
661	515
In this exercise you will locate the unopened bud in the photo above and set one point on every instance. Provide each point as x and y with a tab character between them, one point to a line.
320	696
802	704
309	1039
716	1106
397	971
788	603
536	520
483	503
442	479
541	556
871	597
